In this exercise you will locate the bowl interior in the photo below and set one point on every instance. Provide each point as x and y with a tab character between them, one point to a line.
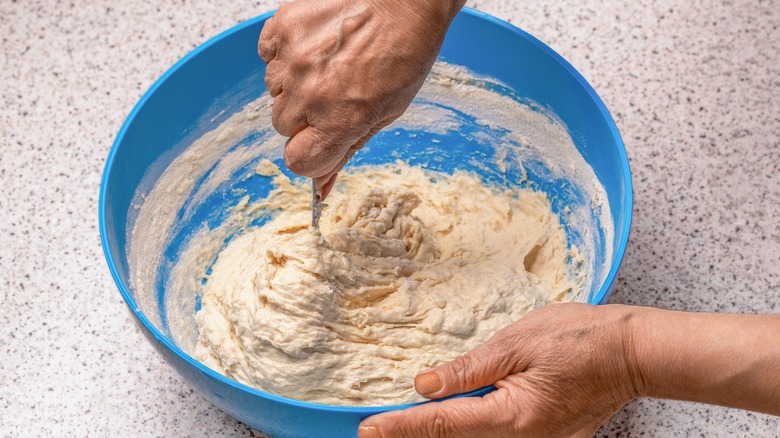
218	80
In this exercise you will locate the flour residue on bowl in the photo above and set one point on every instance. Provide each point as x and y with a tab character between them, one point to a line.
211	204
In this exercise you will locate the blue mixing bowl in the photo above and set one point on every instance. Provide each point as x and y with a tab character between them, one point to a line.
182	105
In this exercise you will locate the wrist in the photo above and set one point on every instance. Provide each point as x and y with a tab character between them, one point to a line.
729	360
628	333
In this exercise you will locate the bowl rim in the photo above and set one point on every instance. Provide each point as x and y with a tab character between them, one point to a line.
600	297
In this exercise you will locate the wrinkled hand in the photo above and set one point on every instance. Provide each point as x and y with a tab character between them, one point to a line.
560	371
341	70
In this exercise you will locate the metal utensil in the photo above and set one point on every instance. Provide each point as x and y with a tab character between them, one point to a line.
316	206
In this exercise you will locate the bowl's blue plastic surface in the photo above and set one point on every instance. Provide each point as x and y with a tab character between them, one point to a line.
166	113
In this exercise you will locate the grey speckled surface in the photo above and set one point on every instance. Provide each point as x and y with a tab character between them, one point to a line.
694	88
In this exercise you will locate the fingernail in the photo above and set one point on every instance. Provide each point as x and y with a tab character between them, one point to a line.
369	432
427	383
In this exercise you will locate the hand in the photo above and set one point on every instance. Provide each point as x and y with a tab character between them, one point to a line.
341	70
560	371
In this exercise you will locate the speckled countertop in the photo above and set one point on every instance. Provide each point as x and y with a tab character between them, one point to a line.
694	87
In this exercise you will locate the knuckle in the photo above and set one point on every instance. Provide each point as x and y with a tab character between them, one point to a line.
273	69
440	426
434	424
265	41
496	356
261	46
460	370
273	81
277	119
269	83
263	50
269	79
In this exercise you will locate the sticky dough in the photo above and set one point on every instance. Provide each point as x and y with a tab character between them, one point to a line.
410	269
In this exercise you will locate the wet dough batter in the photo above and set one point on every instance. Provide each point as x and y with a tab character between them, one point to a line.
410	269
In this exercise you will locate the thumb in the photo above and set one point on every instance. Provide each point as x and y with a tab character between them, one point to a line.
483	366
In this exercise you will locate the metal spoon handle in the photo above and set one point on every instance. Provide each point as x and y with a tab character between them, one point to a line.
316	206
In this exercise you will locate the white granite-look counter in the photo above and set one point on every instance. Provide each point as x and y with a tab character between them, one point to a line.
694	88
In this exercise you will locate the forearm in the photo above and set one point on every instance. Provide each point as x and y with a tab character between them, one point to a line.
728	360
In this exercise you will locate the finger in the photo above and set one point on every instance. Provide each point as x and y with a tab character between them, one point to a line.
321	182
274	78
325	183
483	366
329	179
455	418
268	43
288	119
326	188
311	153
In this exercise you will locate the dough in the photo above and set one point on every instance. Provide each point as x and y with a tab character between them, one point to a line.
409	270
